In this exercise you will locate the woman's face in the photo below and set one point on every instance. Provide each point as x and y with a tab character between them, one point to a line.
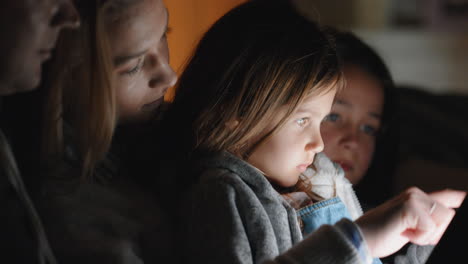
349	131
141	60
29	30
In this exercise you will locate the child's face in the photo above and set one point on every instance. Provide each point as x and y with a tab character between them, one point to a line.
141	60
349	131
288	152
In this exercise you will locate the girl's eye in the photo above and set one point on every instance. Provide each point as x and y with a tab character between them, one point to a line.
135	69
369	130
302	122
332	117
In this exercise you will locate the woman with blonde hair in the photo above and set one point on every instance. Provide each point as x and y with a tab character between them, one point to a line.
109	79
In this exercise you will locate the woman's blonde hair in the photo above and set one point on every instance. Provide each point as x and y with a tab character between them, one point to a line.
81	96
259	58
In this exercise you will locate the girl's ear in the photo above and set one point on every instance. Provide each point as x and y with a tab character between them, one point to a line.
232	124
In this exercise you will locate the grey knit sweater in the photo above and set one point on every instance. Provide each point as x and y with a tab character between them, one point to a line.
234	215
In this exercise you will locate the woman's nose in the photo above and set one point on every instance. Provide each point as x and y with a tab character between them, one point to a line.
164	76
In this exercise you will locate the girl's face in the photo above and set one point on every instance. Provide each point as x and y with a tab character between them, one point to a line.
289	151
141	60
350	130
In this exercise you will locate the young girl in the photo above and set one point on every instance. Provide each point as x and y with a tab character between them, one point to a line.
324	193
246	116
360	132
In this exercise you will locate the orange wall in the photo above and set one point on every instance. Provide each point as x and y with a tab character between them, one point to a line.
189	19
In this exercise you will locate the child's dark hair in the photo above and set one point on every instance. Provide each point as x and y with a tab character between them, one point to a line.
376	185
257	58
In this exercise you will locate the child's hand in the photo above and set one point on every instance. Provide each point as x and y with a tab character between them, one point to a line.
411	216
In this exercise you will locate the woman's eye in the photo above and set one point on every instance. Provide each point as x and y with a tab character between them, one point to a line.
332	117
369	130
135	69
168	31
302	122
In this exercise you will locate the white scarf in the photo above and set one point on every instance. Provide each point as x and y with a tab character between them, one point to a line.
328	181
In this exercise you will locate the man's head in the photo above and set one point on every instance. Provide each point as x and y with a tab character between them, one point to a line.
29	30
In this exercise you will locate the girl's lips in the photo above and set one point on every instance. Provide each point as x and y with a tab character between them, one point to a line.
303	167
346	166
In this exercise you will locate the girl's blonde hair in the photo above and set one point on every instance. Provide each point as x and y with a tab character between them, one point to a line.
81	96
259	58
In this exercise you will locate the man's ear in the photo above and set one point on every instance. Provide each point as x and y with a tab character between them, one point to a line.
232	124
